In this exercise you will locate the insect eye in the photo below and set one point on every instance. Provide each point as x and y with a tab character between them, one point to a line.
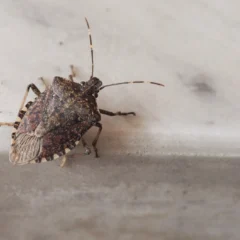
95	95
83	83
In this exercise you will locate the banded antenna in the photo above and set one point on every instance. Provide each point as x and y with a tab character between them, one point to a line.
91	45
114	84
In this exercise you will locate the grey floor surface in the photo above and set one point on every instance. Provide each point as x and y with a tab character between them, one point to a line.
124	197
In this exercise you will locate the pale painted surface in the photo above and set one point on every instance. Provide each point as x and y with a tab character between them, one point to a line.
193	48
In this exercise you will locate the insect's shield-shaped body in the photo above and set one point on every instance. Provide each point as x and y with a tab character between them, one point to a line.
56	121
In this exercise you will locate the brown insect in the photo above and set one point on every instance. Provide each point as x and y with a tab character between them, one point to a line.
57	120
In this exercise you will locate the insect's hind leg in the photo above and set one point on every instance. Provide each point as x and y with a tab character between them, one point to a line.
87	148
108	113
94	143
7	124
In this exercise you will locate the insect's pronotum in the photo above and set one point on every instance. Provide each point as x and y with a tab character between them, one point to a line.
56	121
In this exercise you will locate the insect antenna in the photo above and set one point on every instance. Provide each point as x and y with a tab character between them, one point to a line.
114	84
91	45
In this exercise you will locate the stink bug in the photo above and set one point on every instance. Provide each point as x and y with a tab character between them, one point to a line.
56	121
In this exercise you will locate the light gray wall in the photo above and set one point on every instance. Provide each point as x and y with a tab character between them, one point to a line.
190	46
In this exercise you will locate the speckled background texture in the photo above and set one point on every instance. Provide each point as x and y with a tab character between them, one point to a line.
171	172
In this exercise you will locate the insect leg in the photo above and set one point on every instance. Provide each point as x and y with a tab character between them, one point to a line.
34	89
64	159
73	73
94	143
6	124
108	113
87	148
43	81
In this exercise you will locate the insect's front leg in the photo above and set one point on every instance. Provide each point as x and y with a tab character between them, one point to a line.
94	143
108	113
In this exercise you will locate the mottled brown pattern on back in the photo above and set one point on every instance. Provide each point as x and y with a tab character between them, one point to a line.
56	141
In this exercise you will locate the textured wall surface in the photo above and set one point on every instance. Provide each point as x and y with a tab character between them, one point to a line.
171	172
